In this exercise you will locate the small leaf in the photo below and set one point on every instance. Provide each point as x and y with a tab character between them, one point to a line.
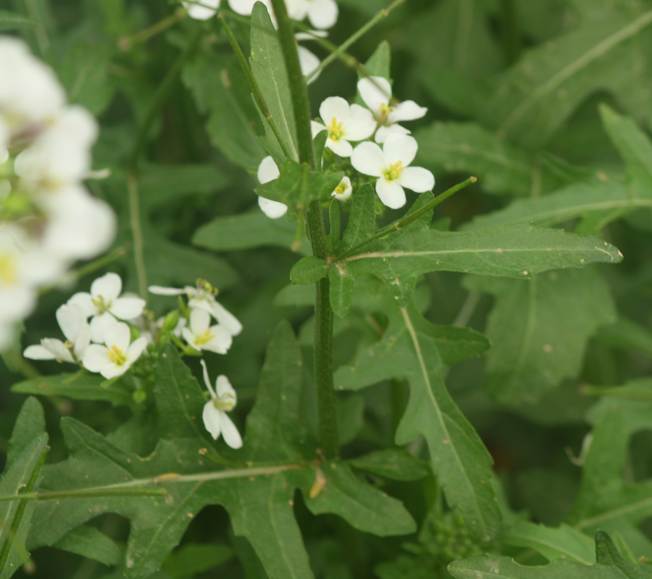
309	269
392	463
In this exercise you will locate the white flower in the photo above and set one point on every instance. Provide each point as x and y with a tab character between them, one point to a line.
72	322
321	13
105	301
376	92
117	354
391	165
245	7
344	190
344	123
215	417
201	9
202	297
202	336
268	171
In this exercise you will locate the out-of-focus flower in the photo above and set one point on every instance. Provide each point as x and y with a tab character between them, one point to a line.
321	13
267	172
72	322
344	190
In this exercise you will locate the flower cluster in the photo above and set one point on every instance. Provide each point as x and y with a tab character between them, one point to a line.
349	128
47	219
107	332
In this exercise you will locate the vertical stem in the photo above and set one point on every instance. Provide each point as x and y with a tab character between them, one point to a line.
510	33
323	342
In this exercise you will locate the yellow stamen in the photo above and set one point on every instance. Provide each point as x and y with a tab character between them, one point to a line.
100	304
341	188
117	356
203	338
227	403
8	270
394	171
335	130
383	113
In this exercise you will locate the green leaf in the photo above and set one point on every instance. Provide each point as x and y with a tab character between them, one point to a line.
640	389
460	461
92	544
627	335
608	554
13	21
195	558
362	217
342	286
544	343
248	231
268	67
393	464
309	269
27	449
76	386
515	251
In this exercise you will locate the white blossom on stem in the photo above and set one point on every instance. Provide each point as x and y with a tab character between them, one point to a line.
391	166
72	322
202	336
344	190
268	171
117	353
321	13
223	400
345	123
376	92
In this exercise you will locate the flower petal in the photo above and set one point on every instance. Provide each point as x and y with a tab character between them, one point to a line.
390	193
166	291
84	301
230	432
400	148
322	13
200	321
316	128
38	352
273	209
417	179
223	388
341	148
268	170
407	111
128	307
309	62
136	349
207	380
212	420
59	350
345	193
376	92
95	358
201	9
226	318
108	286
100	327
334	108
242	7
82	342
117	334
71	319
383	132
368	159
221	341
360	124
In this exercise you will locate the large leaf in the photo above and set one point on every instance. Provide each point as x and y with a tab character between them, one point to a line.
533	351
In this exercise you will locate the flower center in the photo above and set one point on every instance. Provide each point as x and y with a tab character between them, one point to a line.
8	270
226	403
117	356
341	188
393	172
203	338
335	130
383	113
101	304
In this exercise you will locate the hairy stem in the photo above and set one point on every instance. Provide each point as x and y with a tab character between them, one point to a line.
323	341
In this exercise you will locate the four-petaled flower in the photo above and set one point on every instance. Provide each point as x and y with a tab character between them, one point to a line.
72	322
223	400
391	165
344	190
202	336
118	352
376	92
344	123
267	172
321	13
104	301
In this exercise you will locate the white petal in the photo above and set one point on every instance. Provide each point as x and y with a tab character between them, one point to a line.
58	349
200	320
188	336
100	327
309	62
400	148
112	370
226	319
71	319
268	170
207	380
202	9
360	124
38	353
333	107
166	291
211	417
273	209
221	341
376	92
242	7
230	432
82	342
341	148
117	334
108	286
128	307
322	13
417	179
95	358
383	132
407	111
297	9
136	349
390	193
316	128
368	159
223	388
346	192
84	301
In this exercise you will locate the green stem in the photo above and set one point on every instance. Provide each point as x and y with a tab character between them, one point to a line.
510	33
340	52
410	217
323	341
